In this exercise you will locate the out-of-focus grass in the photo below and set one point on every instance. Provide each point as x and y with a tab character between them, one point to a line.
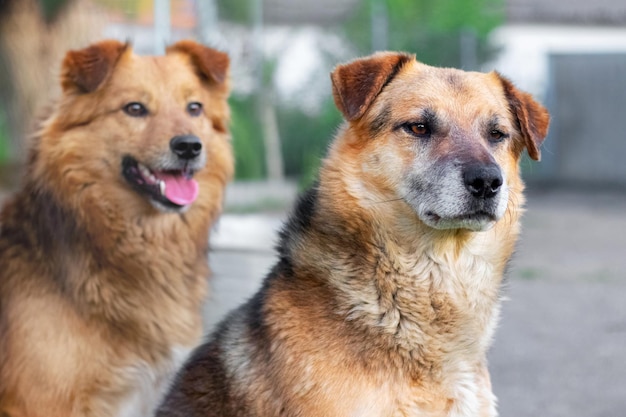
266	205
4	140
528	274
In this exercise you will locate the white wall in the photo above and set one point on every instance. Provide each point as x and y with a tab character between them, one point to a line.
524	50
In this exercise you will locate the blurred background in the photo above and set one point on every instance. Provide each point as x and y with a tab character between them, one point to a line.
561	349
571	54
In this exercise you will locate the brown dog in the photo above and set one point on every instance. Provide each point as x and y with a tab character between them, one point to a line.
103	253
386	294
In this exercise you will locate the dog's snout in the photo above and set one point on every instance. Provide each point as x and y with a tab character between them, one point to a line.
482	180
186	146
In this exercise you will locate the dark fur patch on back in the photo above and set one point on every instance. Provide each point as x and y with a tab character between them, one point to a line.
53	229
299	221
56	228
205	385
202	387
253	310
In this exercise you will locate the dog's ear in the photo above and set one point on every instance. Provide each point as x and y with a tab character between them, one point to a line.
210	63
357	83
533	119
84	70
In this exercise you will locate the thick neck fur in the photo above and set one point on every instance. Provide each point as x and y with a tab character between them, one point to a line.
421	292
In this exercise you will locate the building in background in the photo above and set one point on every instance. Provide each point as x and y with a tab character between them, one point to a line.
571	54
566	52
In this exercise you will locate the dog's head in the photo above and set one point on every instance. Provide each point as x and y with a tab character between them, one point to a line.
445	141
154	126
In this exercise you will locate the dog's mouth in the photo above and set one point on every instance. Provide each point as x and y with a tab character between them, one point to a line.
477	221
477	215
174	189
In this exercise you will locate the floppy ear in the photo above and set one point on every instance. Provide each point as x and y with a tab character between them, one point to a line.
84	70
532	118
357	83
210	63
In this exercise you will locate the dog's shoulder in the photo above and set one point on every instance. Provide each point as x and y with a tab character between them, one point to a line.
299	221
209	381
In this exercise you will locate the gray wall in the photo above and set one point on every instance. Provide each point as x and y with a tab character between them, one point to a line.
587	140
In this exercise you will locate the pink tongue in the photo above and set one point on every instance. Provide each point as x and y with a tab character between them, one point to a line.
178	189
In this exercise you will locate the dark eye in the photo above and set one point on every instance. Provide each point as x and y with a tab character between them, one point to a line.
417	129
135	109
496	136
194	108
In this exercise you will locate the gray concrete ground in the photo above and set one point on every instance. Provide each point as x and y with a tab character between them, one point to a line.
560	350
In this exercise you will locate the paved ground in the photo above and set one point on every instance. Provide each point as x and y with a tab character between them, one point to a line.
560	350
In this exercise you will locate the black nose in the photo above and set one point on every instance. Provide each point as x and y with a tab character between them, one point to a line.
482	180
186	146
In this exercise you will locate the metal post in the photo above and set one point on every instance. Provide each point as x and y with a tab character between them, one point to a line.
468	47
162	30
257	40
379	23
207	30
265	101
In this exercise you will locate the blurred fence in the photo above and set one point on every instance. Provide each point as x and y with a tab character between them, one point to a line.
281	52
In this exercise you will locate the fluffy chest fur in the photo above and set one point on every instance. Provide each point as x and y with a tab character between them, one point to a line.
421	304
432	317
408	316
439	302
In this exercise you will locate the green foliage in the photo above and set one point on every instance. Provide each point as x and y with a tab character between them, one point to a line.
50	9
247	138
305	138
239	11
452	15
429	28
4	139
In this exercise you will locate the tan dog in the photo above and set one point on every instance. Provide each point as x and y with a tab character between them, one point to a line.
386	294
103	253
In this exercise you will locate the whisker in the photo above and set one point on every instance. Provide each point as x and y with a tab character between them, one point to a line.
389	201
